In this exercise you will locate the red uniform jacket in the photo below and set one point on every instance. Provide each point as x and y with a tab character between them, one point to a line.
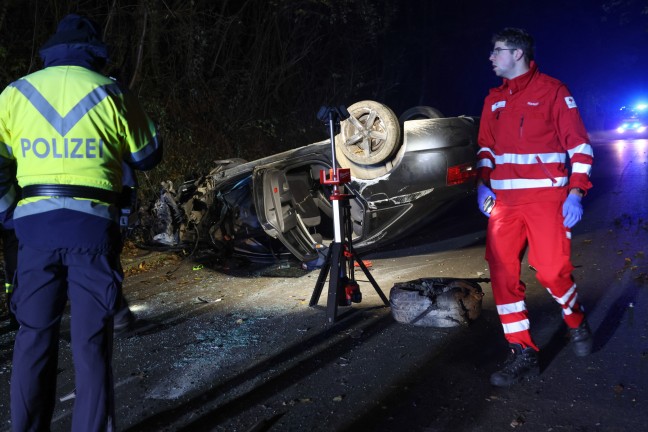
530	133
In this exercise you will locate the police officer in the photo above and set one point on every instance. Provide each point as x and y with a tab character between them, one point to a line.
68	128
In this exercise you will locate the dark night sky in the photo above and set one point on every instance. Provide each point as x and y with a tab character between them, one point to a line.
601	57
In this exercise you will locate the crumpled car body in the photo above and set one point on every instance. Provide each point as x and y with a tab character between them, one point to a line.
274	206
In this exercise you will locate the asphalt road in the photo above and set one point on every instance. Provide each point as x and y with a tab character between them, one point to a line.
228	346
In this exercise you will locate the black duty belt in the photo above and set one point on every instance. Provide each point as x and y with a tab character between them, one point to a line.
74	191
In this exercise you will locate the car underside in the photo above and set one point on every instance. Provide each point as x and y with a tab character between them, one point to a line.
277	206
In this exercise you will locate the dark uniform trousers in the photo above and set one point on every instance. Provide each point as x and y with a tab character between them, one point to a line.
92	283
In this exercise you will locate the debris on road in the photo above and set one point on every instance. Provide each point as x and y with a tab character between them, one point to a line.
436	302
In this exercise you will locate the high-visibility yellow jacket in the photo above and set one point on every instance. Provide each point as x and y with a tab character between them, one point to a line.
69	125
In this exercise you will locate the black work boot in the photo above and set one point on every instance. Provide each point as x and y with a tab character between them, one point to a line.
521	363
124	321
581	338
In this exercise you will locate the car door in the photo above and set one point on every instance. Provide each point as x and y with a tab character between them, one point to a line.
278	213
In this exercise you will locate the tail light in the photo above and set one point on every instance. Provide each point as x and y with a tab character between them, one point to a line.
459	174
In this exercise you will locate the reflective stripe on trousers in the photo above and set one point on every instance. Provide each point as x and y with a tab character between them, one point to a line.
538	226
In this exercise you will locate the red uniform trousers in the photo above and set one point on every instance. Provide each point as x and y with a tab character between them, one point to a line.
540	227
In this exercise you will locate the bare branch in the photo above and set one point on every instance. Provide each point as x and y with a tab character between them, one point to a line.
140	48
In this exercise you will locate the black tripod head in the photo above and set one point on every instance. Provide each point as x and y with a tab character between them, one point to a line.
328	113
331	116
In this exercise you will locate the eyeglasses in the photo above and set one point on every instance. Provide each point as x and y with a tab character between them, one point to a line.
496	51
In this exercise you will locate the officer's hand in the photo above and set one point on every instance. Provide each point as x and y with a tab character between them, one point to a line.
483	193
572	210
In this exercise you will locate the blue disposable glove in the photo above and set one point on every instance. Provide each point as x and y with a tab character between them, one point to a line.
483	192
572	210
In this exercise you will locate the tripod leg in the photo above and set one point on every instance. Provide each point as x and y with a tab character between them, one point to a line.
321	279
371	278
334	282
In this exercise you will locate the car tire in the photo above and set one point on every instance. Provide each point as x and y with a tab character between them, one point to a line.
371	135
436	302
420	113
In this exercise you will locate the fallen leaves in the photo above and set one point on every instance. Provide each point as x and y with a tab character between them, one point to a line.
293	402
642	277
518	421
207	300
149	264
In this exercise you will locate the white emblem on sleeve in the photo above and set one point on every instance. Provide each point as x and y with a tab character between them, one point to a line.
496	105
571	103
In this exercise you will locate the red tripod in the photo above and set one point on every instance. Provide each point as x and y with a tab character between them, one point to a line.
343	289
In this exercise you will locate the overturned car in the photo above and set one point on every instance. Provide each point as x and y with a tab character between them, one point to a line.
404	173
